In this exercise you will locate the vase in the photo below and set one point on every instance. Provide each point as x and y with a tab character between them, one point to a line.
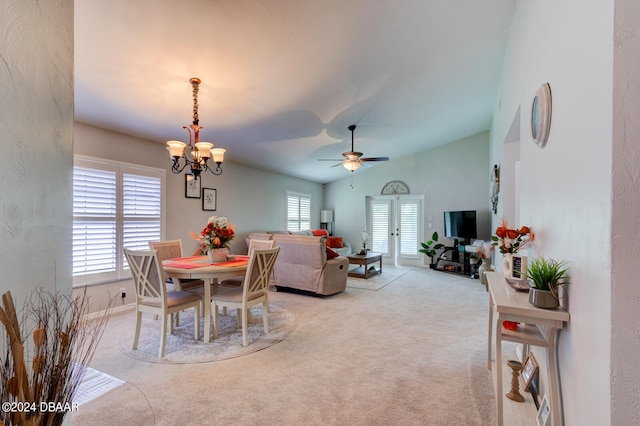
544	299
507	264
218	254
485	267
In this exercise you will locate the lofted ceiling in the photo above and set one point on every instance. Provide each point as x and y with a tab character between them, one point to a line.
283	79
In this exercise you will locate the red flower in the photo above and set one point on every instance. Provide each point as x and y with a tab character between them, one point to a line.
512	233
511	240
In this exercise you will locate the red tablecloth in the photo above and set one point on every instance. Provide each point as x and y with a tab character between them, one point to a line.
193	262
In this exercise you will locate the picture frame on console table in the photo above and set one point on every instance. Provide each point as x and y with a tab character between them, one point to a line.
544	413
529	370
209	199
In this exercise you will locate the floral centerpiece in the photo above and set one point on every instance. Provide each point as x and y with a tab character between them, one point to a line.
216	235
510	240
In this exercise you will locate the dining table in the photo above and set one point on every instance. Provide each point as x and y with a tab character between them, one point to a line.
200	267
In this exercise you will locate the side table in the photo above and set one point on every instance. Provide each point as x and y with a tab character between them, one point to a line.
365	260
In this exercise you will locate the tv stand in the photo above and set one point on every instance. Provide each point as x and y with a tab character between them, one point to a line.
456	261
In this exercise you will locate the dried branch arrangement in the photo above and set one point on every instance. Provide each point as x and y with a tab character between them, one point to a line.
42	367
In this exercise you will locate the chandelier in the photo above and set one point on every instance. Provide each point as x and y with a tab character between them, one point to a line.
198	153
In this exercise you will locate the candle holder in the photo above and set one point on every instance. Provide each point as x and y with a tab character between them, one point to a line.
514	393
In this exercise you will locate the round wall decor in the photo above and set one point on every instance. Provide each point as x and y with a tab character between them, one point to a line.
541	115
395	187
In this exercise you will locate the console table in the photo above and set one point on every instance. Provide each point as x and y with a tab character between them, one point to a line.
512	305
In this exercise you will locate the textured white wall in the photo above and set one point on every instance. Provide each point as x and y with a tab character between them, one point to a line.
36	134
566	187
625	326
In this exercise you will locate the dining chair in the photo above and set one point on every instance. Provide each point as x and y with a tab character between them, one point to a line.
170	249
153	297
254	291
253	245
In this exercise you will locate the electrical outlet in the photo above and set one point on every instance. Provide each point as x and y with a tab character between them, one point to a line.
123	293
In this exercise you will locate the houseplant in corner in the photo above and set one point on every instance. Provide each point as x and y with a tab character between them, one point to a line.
545	276
431	247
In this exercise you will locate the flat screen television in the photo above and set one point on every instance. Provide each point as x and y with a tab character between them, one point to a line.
460	225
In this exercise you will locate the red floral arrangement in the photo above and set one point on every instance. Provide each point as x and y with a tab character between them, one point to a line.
216	234
510	240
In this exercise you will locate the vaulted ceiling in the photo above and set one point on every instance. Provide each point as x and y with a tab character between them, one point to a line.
283	79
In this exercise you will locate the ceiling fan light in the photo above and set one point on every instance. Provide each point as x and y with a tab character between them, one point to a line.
352	166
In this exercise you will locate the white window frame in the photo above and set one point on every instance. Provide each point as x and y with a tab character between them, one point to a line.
121	270
297	202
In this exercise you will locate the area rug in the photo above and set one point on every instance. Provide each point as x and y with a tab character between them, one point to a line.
375	283
182	348
94	383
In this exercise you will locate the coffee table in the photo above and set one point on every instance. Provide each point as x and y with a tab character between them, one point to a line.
364	260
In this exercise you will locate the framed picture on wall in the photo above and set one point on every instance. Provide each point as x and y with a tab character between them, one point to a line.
209	199
191	186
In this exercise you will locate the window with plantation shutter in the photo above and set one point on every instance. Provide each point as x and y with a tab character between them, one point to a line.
298	210
409	232
380	225
115	205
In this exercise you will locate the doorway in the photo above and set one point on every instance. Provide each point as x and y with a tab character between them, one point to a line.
395	227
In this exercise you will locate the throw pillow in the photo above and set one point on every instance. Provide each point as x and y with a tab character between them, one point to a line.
320	232
331	254
335	242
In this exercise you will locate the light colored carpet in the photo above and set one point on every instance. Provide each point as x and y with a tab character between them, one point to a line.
94	384
412	353
182	348
375	283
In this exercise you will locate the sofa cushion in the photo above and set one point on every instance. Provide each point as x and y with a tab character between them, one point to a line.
335	242
319	232
331	254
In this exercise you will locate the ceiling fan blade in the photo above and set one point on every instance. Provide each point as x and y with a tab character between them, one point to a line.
375	159
329	159
336	165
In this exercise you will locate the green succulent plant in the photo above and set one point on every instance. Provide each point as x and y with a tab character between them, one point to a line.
547	274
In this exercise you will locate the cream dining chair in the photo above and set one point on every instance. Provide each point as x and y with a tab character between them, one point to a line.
152	295
254	291
170	249
253	245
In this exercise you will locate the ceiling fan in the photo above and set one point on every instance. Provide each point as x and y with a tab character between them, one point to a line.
352	159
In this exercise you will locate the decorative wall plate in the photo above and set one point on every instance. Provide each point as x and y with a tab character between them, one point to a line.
541	115
395	187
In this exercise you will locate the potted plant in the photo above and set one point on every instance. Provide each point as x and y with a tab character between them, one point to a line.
431	247
545	276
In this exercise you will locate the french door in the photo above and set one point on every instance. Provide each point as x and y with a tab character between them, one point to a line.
394	223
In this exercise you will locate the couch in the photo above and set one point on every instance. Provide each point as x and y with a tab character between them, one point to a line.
302	264
337	244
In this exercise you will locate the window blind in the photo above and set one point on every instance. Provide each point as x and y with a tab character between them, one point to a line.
409	227
114	206
298	211
380	226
